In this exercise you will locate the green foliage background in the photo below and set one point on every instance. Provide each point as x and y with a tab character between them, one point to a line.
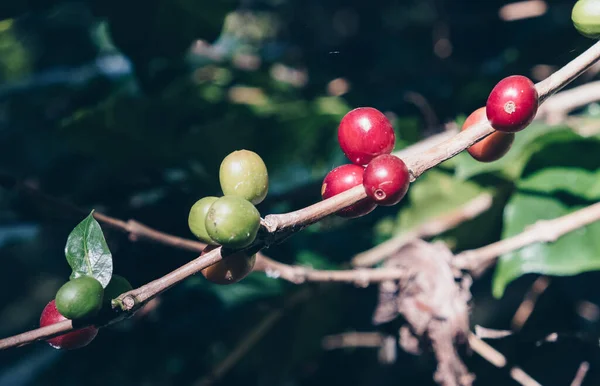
129	108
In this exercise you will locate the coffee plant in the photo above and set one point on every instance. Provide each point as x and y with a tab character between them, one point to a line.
506	198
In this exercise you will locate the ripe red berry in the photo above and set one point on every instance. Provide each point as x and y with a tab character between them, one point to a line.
70	340
512	104
492	147
341	179
365	133
386	180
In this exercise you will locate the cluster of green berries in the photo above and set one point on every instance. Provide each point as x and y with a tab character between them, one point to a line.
79	299
232	220
367	137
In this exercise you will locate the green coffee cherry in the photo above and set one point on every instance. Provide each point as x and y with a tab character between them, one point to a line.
586	18
244	174
232	222
197	219
80	298
116	286
231	269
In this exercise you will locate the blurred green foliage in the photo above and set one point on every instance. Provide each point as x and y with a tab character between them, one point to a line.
129	108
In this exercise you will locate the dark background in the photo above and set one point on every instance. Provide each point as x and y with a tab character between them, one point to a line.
125	107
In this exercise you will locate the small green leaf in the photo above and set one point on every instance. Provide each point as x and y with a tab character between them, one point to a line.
87	252
573	253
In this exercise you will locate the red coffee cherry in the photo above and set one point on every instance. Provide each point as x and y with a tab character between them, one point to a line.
512	104
364	133
492	147
71	340
341	179
386	180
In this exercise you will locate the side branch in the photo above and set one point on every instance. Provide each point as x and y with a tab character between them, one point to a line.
298	275
479	260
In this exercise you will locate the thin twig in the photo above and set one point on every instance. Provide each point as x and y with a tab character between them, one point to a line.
528	304
280	226
496	358
430	228
486	351
353	340
478	260
490	333
387	345
522	377
298	275
581	373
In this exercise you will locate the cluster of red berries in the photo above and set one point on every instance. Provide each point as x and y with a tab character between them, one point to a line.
367	137
511	106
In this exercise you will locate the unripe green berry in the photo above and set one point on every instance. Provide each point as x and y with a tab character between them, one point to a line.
244	174
586	18
116	286
232	222
80	298
197	219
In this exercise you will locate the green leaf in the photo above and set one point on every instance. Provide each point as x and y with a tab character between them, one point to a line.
575	181
573	253
527	143
87	252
